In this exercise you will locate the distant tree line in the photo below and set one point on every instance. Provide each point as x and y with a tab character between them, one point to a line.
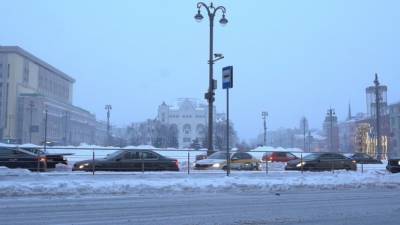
162	135
153	132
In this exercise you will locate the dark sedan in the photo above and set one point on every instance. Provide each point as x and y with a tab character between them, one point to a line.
129	160
321	162
19	158
393	165
52	159
363	158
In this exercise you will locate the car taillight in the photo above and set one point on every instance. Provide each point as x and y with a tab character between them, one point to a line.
177	163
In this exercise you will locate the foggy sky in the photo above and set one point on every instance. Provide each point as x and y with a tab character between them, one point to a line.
290	58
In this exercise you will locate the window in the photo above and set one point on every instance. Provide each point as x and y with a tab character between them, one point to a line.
245	156
187	129
25	76
236	156
290	155
20	154
239	156
5	152
281	154
135	155
149	155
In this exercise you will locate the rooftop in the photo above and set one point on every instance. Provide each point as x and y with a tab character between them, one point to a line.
22	52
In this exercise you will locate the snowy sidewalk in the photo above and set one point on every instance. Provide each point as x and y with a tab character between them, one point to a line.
25	183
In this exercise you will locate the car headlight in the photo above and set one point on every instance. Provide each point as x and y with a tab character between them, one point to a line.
398	162
216	165
301	164
83	165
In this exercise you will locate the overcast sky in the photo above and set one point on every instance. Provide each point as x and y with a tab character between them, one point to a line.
290	58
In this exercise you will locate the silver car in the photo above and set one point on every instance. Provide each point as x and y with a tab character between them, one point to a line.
239	161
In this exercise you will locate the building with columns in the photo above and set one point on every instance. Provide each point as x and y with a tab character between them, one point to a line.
189	117
30	87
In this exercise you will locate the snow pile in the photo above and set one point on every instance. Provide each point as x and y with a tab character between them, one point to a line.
134	183
4	171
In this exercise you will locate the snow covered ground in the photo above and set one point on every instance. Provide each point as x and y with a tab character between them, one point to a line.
24	183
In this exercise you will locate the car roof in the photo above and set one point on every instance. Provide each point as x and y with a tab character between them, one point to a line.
18	149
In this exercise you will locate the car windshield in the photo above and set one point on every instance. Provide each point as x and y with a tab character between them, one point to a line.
218	155
311	157
114	154
34	150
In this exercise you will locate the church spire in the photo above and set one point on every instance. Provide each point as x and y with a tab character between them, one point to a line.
349	116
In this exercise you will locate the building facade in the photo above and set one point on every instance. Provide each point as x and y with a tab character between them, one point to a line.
190	119
358	133
331	131
31	88
394	113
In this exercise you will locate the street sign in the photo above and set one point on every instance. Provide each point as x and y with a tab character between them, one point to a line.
227	77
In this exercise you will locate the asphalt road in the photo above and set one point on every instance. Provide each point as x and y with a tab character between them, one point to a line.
355	206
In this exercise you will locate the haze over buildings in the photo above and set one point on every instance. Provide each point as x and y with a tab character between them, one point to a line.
290	58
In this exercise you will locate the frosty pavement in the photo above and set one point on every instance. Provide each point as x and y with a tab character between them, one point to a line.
346	206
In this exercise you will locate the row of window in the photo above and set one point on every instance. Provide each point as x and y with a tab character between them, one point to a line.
51	83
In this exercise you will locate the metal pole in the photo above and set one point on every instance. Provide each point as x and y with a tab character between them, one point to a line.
30	125
38	161
141	156
188	162
301	161
228	156
264	116
93	166
108	108
211	87
304	133
378	118
45	131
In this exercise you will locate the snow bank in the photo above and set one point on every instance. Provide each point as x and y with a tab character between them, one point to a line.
4	171
161	183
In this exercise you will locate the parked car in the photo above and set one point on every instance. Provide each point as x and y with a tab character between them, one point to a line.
278	156
129	160
52	159
393	165
322	161
201	157
19	158
239	161
364	158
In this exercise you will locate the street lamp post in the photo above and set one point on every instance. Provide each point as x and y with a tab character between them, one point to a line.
108	108
45	128
304	121
264	117
31	105
211	11
331	113
378	119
